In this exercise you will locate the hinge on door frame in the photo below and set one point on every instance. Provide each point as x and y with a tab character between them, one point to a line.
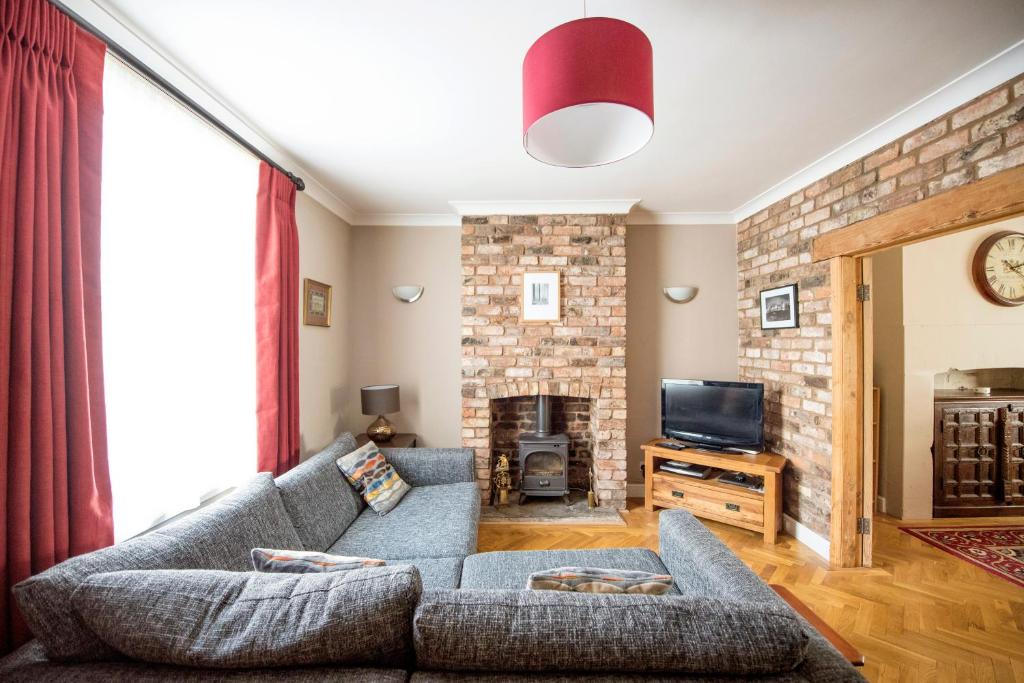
863	292
863	525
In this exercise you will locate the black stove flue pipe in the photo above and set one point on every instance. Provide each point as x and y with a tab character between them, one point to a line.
543	416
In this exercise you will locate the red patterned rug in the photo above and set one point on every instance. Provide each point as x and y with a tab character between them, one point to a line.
998	550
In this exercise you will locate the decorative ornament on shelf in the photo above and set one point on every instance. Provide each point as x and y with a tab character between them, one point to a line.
588	93
379	399
407	293
680	295
502	480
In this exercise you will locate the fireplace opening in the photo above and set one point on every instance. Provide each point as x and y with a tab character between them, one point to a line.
548	442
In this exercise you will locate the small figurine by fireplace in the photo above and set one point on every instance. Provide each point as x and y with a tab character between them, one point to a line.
543	458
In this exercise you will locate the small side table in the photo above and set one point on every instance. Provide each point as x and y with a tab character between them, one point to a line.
397	441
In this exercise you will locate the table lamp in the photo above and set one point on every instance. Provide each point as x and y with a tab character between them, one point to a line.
379	399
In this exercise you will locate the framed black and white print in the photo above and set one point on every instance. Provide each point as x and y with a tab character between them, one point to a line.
779	309
541	301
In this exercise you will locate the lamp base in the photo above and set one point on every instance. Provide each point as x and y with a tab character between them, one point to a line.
380	430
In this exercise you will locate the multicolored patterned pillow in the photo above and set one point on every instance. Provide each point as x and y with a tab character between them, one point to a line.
306	562
595	580
374	479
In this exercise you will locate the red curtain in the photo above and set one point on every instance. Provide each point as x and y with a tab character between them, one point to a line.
277	323
54	483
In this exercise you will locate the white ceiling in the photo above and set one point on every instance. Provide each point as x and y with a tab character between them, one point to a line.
402	106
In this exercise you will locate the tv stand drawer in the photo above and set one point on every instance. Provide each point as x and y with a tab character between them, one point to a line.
708	499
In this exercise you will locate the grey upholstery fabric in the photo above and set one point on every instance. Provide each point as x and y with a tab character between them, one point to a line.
472	630
435	572
320	503
511	569
221	535
700	564
30	665
431	521
431	466
618	677
45	599
237	620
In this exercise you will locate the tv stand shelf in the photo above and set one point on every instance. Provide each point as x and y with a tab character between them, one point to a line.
712	499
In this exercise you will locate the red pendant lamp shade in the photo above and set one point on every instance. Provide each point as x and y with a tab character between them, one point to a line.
588	93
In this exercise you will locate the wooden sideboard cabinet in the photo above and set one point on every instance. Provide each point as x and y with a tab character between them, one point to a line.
978	453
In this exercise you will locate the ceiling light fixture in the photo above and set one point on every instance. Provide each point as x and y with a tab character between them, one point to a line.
588	93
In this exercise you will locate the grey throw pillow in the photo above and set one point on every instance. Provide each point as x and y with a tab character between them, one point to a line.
234	620
543	631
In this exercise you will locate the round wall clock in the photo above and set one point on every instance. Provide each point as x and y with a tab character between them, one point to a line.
999	268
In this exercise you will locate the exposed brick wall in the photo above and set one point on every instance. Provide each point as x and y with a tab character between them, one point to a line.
974	141
582	356
510	417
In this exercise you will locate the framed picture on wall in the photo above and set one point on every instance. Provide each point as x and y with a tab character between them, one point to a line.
316	303
779	309
541	301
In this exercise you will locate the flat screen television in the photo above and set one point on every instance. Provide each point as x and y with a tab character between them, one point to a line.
720	415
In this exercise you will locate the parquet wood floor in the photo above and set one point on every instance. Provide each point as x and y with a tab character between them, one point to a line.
919	615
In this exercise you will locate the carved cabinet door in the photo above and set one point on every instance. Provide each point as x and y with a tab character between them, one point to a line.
1011	453
965	456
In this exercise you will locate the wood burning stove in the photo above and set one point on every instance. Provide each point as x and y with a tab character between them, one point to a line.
543	458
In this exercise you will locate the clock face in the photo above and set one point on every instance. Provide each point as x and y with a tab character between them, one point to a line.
999	268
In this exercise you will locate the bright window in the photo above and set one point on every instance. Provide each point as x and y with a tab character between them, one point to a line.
179	218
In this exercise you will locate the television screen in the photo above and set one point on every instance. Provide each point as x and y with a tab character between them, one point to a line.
715	414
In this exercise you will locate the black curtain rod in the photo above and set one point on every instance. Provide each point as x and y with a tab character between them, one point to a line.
167	87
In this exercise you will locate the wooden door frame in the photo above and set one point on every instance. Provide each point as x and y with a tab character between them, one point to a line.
992	199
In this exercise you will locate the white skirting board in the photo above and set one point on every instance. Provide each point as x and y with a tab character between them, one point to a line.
811	539
814	541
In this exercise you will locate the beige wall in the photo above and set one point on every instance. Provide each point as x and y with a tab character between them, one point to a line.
324	249
947	324
695	340
416	346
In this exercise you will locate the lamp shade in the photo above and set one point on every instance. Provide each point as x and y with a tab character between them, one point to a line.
588	93
379	399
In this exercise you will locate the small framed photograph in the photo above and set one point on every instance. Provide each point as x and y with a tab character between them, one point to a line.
541	297
316	308
779	309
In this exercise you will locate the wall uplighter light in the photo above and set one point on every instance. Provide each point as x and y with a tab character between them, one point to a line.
407	293
680	295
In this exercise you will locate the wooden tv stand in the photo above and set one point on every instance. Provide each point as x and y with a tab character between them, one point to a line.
712	499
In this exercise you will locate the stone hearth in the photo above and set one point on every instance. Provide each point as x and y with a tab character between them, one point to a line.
582	356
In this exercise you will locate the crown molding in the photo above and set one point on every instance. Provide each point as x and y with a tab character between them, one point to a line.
644	217
115	25
959	91
415	220
540	207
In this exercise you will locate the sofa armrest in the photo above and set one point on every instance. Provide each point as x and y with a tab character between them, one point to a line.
701	564
430	466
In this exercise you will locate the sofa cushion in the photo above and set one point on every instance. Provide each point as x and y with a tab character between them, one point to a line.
512	569
470	630
236	620
435	572
319	500
29	664
222	535
45	599
373	477
307	562
431	521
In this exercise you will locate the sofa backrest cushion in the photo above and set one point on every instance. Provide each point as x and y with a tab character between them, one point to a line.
319	501
223	534
45	599
218	536
470	630
233	620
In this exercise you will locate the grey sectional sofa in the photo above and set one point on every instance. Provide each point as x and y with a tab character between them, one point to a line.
183	600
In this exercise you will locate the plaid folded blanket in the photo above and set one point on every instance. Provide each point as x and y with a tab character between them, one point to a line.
595	580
